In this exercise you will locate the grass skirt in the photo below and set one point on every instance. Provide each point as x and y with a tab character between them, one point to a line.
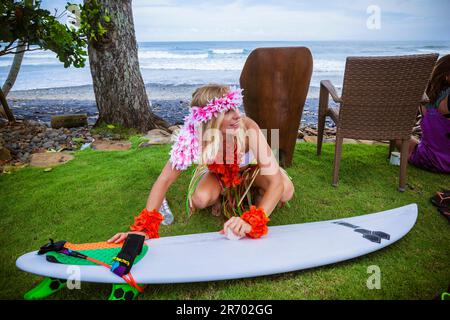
234	201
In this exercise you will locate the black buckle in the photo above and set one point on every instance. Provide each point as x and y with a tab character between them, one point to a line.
52	246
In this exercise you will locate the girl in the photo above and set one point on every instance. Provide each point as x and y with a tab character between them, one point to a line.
233	161
432	152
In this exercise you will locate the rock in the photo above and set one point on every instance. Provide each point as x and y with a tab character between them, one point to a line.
32	122
48	159
174	128
47	144
53	134
310	139
107	145
158	136
370	142
310	132
5	154
69	121
14	146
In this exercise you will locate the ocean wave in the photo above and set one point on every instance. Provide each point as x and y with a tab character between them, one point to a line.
26	62
209	65
227	51
435	47
322	65
170	55
440	51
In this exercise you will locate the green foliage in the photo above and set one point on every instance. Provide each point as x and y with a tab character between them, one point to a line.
94	21
34	26
27	22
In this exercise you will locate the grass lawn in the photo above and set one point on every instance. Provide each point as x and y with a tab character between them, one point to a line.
99	193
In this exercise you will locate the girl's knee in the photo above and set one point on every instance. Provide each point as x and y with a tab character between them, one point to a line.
202	200
288	191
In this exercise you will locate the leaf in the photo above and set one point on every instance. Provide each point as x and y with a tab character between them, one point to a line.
110	126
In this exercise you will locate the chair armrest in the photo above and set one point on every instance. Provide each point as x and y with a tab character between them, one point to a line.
331	90
425	100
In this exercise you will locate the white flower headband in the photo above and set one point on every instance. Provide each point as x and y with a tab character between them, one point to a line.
185	150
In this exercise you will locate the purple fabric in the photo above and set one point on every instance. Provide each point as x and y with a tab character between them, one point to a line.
433	151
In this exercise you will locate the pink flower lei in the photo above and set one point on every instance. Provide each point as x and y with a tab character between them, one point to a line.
184	151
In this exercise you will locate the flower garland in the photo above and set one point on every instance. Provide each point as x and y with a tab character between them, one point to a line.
185	150
148	222
228	174
258	219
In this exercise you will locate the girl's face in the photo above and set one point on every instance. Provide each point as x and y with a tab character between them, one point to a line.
231	121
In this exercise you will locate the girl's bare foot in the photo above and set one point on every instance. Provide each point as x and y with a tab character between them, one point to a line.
216	208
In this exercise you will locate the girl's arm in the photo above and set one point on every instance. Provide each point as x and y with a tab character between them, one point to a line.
272	175
269	167
155	198
161	185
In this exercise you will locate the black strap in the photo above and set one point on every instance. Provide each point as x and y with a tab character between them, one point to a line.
130	250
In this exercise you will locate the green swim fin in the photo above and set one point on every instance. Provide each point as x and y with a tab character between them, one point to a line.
122	291
47	287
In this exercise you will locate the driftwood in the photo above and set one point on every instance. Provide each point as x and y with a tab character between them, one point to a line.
275	83
69	121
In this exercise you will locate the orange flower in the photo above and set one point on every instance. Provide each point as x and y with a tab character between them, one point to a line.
148	222
227	173
258	219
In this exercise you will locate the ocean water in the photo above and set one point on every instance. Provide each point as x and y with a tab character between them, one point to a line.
197	63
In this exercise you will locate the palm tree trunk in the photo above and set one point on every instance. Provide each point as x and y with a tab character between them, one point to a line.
118	85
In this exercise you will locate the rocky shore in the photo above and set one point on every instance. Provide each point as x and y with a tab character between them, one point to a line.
32	133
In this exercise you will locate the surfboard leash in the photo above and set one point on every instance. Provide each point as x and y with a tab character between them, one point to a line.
60	248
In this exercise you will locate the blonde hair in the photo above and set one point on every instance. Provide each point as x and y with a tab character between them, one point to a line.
209	143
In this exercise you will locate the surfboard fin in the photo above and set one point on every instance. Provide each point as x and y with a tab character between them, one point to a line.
122	291
47	287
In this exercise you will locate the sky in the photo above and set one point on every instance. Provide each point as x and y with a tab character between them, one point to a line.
287	20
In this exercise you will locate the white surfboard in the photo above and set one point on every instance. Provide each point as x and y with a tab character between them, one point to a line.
211	256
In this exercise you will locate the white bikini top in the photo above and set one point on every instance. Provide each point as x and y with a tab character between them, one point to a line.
247	159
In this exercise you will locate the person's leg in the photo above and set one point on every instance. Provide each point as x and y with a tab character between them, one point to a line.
262	183
207	192
413	142
288	188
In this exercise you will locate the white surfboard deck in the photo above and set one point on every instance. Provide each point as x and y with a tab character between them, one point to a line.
211	256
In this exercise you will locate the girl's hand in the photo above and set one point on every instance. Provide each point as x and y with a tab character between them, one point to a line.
121	236
237	225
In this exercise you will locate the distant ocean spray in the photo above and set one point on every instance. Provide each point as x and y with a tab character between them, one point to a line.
192	63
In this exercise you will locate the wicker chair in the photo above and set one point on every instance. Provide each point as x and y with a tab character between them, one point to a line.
380	99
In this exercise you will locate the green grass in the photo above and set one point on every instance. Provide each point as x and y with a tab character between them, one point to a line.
92	197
